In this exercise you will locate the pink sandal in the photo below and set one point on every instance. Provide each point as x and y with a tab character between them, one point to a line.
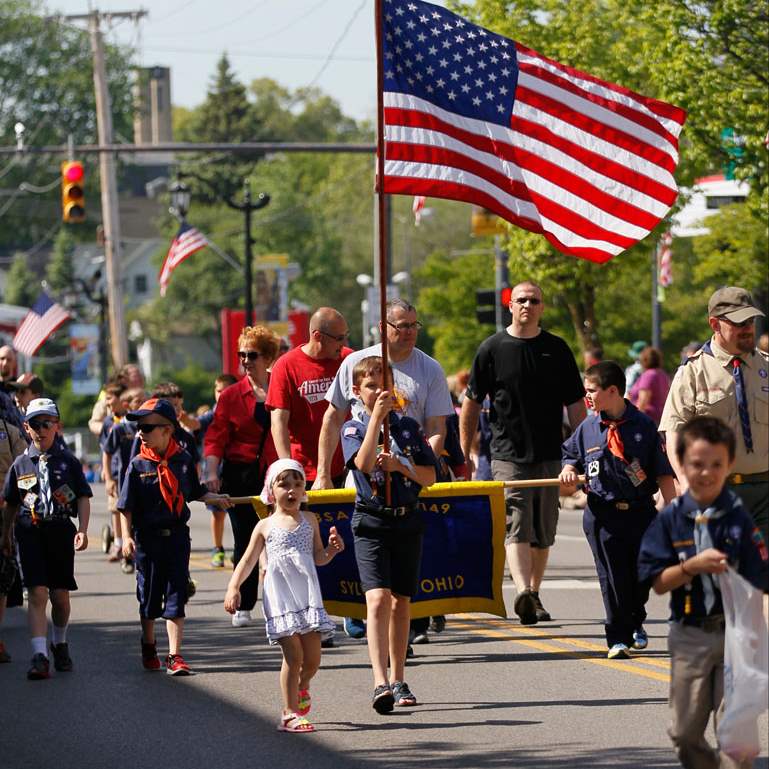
304	702
291	722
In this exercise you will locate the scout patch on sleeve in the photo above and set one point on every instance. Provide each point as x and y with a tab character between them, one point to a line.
593	468
26	482
63	495
350	431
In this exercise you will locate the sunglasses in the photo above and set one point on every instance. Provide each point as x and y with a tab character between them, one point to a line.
148	427
748	322
335	337
251	355
531	300
41	424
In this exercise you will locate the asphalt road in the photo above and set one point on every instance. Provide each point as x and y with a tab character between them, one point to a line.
493	693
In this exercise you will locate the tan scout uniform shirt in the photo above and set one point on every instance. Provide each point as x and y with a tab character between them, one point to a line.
705	386
11	445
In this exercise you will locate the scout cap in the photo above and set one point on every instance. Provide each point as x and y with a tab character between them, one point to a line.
28	381
635	350
39	407
734	304
158	406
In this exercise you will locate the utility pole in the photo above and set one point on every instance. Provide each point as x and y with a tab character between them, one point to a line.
108	180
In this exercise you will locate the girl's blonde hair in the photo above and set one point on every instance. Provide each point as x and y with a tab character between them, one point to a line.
267	343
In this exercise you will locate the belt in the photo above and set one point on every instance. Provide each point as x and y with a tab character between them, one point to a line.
713	624
736	479
388	512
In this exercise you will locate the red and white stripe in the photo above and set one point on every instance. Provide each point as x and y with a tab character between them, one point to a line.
666	260
586	163
416	207
184	244
35	329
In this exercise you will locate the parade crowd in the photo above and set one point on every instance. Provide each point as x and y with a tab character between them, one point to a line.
673	477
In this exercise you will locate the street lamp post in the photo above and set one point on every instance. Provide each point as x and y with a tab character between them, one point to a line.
364	281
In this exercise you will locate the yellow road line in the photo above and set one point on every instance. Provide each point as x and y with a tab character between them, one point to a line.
487	628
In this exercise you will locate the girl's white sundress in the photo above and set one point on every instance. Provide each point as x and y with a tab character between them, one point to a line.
291	597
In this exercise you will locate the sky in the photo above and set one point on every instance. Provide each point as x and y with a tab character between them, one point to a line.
327	43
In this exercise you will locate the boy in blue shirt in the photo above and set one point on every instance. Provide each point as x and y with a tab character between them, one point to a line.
160	480
44	489
689	543
388	538
621	453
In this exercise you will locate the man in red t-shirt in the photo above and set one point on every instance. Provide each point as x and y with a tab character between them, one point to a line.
296	396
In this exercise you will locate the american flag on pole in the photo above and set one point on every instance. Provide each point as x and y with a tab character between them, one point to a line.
44	317
187	241
666	260
473	116
416	207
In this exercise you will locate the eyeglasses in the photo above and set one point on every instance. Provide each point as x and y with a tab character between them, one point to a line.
533	301
251	355
748	322
40	424
335	337
148	427
403	327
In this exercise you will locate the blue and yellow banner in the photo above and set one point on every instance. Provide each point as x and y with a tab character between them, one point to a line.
463	552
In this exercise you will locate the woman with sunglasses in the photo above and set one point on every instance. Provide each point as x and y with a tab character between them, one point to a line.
239	440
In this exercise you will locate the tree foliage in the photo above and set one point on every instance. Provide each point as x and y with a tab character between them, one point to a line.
60	271
21	287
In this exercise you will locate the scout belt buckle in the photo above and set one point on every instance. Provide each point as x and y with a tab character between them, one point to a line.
622	505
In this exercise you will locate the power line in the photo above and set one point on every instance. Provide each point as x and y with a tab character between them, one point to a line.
176	10
235	20
291	23
257	54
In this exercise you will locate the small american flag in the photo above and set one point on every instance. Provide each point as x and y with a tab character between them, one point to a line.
416	207
40	322
187	241
666	260
473	116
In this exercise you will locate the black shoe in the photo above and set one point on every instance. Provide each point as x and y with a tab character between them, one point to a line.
127	566
421	638
328	643
383	701
543	615
438	624
409	651
40	668
61	659
526	607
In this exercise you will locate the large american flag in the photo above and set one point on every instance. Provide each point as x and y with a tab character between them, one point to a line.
187	241
473	116
43	318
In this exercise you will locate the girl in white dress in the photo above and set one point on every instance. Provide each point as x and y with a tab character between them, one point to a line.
291	598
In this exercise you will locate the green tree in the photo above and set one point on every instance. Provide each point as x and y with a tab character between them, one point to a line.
46	83
21	286
60	272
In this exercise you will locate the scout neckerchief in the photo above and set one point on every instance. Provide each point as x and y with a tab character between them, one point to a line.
703	541
742	403
614	439
169	483
45	483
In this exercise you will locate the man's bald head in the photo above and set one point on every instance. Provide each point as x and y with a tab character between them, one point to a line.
527	284
325	317
8	363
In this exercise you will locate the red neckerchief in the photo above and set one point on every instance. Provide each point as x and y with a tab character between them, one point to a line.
614	439
169	483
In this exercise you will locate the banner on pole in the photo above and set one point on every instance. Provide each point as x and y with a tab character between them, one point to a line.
463	553
84	358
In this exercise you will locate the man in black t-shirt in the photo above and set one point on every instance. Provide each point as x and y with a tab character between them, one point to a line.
529	376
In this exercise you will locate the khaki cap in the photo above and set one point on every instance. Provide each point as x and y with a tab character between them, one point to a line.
734	304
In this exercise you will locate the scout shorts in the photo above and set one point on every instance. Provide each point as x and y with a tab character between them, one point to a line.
47	553
162	571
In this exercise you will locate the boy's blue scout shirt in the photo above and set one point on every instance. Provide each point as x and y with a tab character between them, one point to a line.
670	539
408	440
119	445
140	493
65	479
586	450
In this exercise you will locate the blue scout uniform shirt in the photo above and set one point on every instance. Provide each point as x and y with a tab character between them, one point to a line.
119	445
670	539
408	440
65	479
140	492
106	427
607	476
185	439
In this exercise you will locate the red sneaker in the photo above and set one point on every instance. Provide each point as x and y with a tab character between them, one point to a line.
150	659
176	666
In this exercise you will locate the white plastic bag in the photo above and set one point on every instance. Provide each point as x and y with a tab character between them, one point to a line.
746	666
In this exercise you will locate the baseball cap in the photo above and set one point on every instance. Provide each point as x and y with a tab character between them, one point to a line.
39	407
31	382
158	406
733	303
636	348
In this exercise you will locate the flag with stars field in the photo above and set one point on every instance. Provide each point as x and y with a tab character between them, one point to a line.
473	116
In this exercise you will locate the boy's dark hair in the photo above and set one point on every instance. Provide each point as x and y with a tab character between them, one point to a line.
226	379
364	367
114	387
166	390
607	373
710	429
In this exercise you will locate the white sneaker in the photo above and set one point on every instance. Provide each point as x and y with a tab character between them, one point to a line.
241	618
619	652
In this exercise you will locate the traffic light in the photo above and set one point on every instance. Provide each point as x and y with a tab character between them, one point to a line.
72	191
485	310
